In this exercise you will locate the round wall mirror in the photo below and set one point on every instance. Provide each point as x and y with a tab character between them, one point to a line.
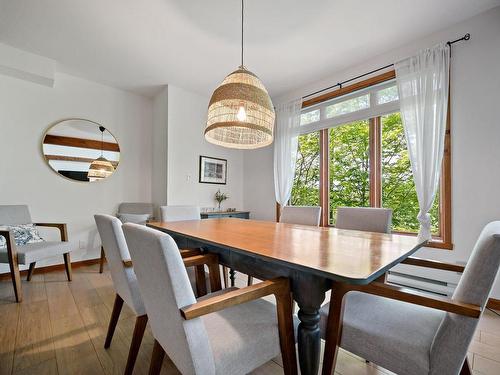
81	150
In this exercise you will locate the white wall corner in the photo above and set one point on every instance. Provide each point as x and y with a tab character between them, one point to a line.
26	66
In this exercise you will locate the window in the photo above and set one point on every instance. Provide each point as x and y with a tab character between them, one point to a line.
349	166
365	159
305	191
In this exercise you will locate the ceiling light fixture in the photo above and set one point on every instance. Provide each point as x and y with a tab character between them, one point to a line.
101	167
240	113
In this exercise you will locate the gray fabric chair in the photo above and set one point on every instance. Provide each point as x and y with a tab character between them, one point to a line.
303	215
419	336
364	218
184	213
180	213
135	208
31	253
124	282
230	332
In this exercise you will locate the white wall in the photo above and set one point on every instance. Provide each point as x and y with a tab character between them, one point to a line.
160	157
258	193
26	111
187	114
475	127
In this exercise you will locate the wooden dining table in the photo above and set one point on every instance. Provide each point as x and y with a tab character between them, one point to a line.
315	259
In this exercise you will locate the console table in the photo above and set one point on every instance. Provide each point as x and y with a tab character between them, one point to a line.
225	214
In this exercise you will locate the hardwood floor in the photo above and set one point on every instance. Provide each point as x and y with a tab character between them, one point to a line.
60	328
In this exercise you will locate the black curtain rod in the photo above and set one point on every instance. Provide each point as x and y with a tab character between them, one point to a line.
340	84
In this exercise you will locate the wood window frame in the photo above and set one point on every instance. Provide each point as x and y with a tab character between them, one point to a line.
444	239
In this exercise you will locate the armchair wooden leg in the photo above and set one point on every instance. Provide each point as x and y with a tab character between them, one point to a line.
286	332
117	308
201	281
67	265
334	328
30	271
250	280
101	260
465	368
16	280
140	326
156	359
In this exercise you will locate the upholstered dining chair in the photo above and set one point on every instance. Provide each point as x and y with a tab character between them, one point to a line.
367	219
125	283
408	332
14	216
304	215
130	211
184	213
232	331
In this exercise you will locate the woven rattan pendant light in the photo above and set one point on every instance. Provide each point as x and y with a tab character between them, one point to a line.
101	167
240	113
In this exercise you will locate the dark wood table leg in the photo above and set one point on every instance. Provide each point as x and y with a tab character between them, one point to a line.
232	276
309	294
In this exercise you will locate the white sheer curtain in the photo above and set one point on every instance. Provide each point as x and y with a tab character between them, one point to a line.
423	82
285	148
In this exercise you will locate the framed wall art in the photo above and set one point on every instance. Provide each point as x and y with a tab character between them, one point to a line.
213	170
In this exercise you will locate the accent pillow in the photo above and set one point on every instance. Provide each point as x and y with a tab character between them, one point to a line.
23	234
133	218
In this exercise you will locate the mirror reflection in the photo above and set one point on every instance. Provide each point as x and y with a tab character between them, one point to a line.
81	150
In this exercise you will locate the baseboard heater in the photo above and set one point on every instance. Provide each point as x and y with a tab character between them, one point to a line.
437	287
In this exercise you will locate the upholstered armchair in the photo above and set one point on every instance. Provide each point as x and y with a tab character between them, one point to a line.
12	216
410	332
232	331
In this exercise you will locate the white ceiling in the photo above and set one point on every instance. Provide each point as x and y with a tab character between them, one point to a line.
140	45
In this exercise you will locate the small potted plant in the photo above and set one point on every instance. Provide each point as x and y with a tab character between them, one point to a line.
220	197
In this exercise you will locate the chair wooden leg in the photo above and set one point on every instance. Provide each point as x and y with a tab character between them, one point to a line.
30	271
101	260
250	280
117	308
140	326
67	265
465	368
201	281
334	328
16	281
225	276
156	359
214	274
286	332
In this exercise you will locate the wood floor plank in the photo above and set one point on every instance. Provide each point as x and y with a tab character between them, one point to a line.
75	353
114	358
9	314
45	368
34	343
34	290
486	366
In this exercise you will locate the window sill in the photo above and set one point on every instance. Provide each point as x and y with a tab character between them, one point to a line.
435	243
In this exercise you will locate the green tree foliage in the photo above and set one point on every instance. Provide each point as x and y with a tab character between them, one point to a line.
349	170
398	188
305	191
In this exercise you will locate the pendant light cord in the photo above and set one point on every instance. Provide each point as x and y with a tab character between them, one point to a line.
242	20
